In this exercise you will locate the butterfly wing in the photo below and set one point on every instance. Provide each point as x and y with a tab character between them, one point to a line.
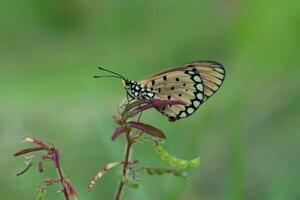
192	83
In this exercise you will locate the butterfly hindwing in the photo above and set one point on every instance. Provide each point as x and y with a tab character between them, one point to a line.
192	83
213	75
178	86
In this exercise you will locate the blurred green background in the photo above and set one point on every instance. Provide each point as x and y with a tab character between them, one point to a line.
247	134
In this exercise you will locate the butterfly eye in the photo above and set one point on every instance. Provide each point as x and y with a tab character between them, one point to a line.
126	84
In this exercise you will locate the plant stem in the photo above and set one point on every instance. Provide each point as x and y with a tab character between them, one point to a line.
126	161
63	185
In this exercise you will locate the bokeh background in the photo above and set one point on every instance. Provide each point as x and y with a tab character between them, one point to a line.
247	134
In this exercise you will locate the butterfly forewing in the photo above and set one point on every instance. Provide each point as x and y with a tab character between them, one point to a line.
192	83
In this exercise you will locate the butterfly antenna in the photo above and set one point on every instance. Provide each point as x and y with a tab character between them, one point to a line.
108	76
119	75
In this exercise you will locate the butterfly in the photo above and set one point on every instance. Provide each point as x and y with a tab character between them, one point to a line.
192	83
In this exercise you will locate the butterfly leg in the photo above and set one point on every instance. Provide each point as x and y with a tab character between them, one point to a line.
129	97
140	115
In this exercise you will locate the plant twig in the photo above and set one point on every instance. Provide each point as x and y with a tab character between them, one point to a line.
125	126
51	153
63	185
126	161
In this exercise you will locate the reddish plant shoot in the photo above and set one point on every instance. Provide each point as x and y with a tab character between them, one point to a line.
132	131
49	153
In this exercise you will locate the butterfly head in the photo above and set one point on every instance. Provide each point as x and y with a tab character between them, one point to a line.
133	88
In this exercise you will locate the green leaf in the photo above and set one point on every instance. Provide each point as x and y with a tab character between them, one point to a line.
175	161
129	183
163	171
41	195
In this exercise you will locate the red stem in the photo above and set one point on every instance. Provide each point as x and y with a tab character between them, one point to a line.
63	185
126	161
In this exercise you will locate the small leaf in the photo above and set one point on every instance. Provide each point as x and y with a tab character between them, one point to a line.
40	143
29	165
162	171
118	131
28	139
29	150
41	195
129	183
183	164
165	156
159	103
137	106
41	167
71	190
147	129
173	160
151	104
195	162
102	171
158	149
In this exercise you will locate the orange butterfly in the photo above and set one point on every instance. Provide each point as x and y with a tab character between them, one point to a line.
192	83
